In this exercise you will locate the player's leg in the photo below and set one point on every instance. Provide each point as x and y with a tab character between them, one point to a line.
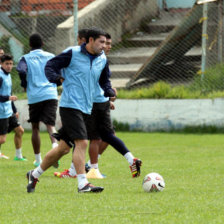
103	147
73	122
48	116
94	136
35	138
18	143
51	157
67	173
107	135
4	123
18	129
34	117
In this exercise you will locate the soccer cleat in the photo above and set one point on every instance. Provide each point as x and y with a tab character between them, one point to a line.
135	167
19	159
36	164
64	174
31	182
94	174
2	156
90	188
87	167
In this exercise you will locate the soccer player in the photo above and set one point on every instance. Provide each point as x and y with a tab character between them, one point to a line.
8	119
99	126
84	68
42	95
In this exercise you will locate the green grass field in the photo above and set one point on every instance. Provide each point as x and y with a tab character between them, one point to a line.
192	166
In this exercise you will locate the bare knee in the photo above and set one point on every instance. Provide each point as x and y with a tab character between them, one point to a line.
19	131
63	147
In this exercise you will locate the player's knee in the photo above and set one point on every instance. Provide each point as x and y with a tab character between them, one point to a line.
83	144
19	131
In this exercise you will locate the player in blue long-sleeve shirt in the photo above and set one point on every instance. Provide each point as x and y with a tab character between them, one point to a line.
81	70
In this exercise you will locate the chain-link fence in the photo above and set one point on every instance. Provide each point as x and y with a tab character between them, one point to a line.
153	40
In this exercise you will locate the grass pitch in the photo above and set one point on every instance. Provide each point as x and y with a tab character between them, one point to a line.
192	166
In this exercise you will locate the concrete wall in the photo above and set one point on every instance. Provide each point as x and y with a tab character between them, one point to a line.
114	16
153	115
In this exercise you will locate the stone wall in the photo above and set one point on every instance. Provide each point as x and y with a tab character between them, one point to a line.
155	115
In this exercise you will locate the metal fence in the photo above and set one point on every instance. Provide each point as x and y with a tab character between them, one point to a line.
153	40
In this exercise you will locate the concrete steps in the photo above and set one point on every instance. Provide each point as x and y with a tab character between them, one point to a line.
126	62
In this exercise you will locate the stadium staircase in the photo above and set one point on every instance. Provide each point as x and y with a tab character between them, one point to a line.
127	61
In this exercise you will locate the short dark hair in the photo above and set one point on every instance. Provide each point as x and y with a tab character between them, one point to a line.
1	48
82	33
6	57
95	33
35	41
108	36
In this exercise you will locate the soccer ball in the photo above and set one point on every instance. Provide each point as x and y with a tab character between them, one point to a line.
153	182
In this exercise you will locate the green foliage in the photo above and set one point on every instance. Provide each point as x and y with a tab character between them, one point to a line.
119	126
4	43
192	166
211	85
213	80
16	88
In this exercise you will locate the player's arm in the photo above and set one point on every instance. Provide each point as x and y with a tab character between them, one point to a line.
54	66
105	83
3	98
22	70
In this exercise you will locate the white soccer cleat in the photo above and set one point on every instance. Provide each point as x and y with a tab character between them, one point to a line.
94	174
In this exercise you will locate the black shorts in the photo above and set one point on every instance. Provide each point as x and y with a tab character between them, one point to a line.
73	125
99	121
8	124
44	111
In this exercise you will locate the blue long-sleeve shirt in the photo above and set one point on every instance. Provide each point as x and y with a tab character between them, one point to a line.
82	72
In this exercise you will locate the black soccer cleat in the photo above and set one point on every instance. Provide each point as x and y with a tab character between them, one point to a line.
90	188
32	181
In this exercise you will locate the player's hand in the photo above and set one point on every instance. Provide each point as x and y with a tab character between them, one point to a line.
17	115
112	99
115	90
112	106
62	80
13	98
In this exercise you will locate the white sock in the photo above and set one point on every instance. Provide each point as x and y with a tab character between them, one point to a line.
72	170
82	180
94	166
37	172
55	144
38	158
19	153
129	157
89	163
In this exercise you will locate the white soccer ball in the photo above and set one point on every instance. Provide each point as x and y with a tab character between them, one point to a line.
153	182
